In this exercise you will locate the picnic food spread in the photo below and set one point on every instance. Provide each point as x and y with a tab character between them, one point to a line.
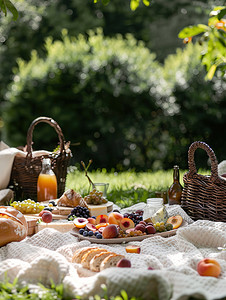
114	226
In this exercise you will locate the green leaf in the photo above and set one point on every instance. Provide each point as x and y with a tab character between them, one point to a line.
211	72
124	295
216	10
3	7
12	9
146	2
134	4
192	31
221	14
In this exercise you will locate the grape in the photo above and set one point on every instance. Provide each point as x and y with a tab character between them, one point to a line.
28	206
95	197
134	216
79	211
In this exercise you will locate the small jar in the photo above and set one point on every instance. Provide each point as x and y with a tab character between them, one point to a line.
153	205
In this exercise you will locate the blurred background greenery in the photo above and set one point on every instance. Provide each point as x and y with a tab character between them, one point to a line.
123	87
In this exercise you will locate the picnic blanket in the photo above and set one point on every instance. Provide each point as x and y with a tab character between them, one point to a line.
47	256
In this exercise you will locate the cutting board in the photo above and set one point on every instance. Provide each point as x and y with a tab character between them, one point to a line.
61	210
32	221
31	224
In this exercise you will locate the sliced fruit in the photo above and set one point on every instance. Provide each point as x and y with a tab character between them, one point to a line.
92	221
114	218
133	249
100	230
80	222
91	227
101	219
176	221
101	225
126	223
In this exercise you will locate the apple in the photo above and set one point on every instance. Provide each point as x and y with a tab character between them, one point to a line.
209	267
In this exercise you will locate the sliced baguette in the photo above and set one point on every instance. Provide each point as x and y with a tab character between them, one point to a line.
97	260
78	254
110	261
86	258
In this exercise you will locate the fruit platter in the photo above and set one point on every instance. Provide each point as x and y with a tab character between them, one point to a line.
117	228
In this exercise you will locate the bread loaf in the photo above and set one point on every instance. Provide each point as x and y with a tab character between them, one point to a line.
86	258
71	199
13	225
78	254
97	260
110	261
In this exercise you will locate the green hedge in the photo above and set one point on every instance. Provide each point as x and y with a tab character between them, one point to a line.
105	93
200	107
116	104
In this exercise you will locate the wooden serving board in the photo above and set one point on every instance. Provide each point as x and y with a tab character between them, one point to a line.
62	210
93	239
32	221
31	224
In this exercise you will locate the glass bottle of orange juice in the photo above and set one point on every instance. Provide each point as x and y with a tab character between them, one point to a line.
47	182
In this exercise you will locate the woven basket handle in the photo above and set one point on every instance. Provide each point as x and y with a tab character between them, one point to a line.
52	123
191	162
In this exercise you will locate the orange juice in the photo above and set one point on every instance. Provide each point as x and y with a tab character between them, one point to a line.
46	187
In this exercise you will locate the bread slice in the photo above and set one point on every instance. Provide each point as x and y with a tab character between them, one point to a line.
86	258
97	260
77	257
110	261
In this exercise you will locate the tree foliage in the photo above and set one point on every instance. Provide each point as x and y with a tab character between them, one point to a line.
213	39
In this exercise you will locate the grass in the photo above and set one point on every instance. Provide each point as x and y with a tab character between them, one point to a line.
125	188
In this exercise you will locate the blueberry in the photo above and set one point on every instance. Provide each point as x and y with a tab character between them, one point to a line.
99	236
85	233
81	231
93	217
77	214
96	233
48	208
125	215
90	233
52	202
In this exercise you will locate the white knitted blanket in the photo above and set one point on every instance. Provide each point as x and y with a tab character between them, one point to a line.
47	256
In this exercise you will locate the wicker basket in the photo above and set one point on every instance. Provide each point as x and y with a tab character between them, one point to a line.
204	197
25	170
